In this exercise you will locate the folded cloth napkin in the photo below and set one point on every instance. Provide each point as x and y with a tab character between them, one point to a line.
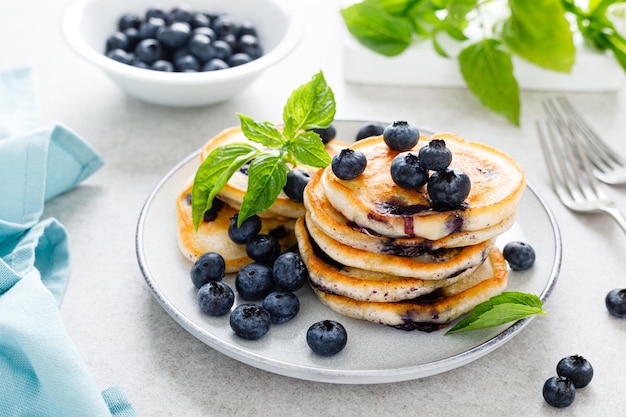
41	372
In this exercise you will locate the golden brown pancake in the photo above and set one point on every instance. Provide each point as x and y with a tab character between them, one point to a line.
373	201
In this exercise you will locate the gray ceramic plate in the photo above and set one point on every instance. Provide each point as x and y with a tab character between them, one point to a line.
374	353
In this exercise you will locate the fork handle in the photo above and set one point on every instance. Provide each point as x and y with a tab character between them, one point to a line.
618	216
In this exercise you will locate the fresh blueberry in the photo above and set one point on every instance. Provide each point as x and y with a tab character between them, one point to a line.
166	66
369	130
254	281
326	337
407	171
175	35
212	213
249	228
201	47
231	40
132	35
249	45
150	27
263	248
121	55
207	31
215	298
209	266
616	302
559	391
250	321
128	20
448	188
215	65
118	40
576	368
519	255
200	20
149	51
327	134
401	136
348	164
238	59
224	25
140	64
181	14
297	180
246	28
282	306
289	271
187	63
222	49
156	12
435	156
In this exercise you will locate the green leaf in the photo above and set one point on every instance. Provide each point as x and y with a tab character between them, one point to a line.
309	149
539	32
312	105
214	173
376	29
267	175
488	72
501	309
265	133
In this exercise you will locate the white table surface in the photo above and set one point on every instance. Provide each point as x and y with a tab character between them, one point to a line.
127	339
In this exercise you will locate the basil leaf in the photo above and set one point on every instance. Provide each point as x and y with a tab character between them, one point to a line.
311	105
501	309
309	149
488	72
265	133
267	175
539	32
377	30
214	173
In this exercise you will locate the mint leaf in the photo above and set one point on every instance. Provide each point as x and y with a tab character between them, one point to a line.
311	105
267	175
265	133
504	308
214	173
488	72
539	32
309	149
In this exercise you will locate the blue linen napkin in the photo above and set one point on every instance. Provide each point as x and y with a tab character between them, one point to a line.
41	372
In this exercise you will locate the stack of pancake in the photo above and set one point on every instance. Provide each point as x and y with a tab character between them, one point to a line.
212	234
382	253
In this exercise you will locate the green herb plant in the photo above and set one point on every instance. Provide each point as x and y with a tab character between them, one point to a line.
312	105
538	31
504	308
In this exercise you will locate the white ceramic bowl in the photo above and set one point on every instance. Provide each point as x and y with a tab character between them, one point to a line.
88	23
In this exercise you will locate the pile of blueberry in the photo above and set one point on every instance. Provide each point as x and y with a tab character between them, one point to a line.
183	40
447	187
268	286
573	372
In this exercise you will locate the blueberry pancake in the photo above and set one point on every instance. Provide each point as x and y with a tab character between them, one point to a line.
374	202
234	191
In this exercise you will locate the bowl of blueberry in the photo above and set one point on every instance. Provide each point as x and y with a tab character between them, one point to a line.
171	53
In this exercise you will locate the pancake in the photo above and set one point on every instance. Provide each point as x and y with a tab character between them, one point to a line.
430	312
336	226
327	275
443	263
374	202
213	236
234	191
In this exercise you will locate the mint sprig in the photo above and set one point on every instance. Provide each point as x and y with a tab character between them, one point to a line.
504	308
311	105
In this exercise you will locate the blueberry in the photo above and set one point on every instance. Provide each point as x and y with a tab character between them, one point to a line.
407	171
212	213
326	337
448	188
231	40
207	31
201	47
121	55
576	368
224	25
132	35
118	40
289	271
249	45
616	302
246	28
215	64
215	298
128	20
155	12
297	180
181	14
435	156
519	255
327	134
140	64
187	63
401	136
166	66
150	27
263	248
559	391
208	267
282	306
175	35
249	228
149	51
238	59
250	321
254	281
348	164
369	130
222	49
200	20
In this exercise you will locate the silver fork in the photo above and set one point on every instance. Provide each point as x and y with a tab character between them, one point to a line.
571	173
608	166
